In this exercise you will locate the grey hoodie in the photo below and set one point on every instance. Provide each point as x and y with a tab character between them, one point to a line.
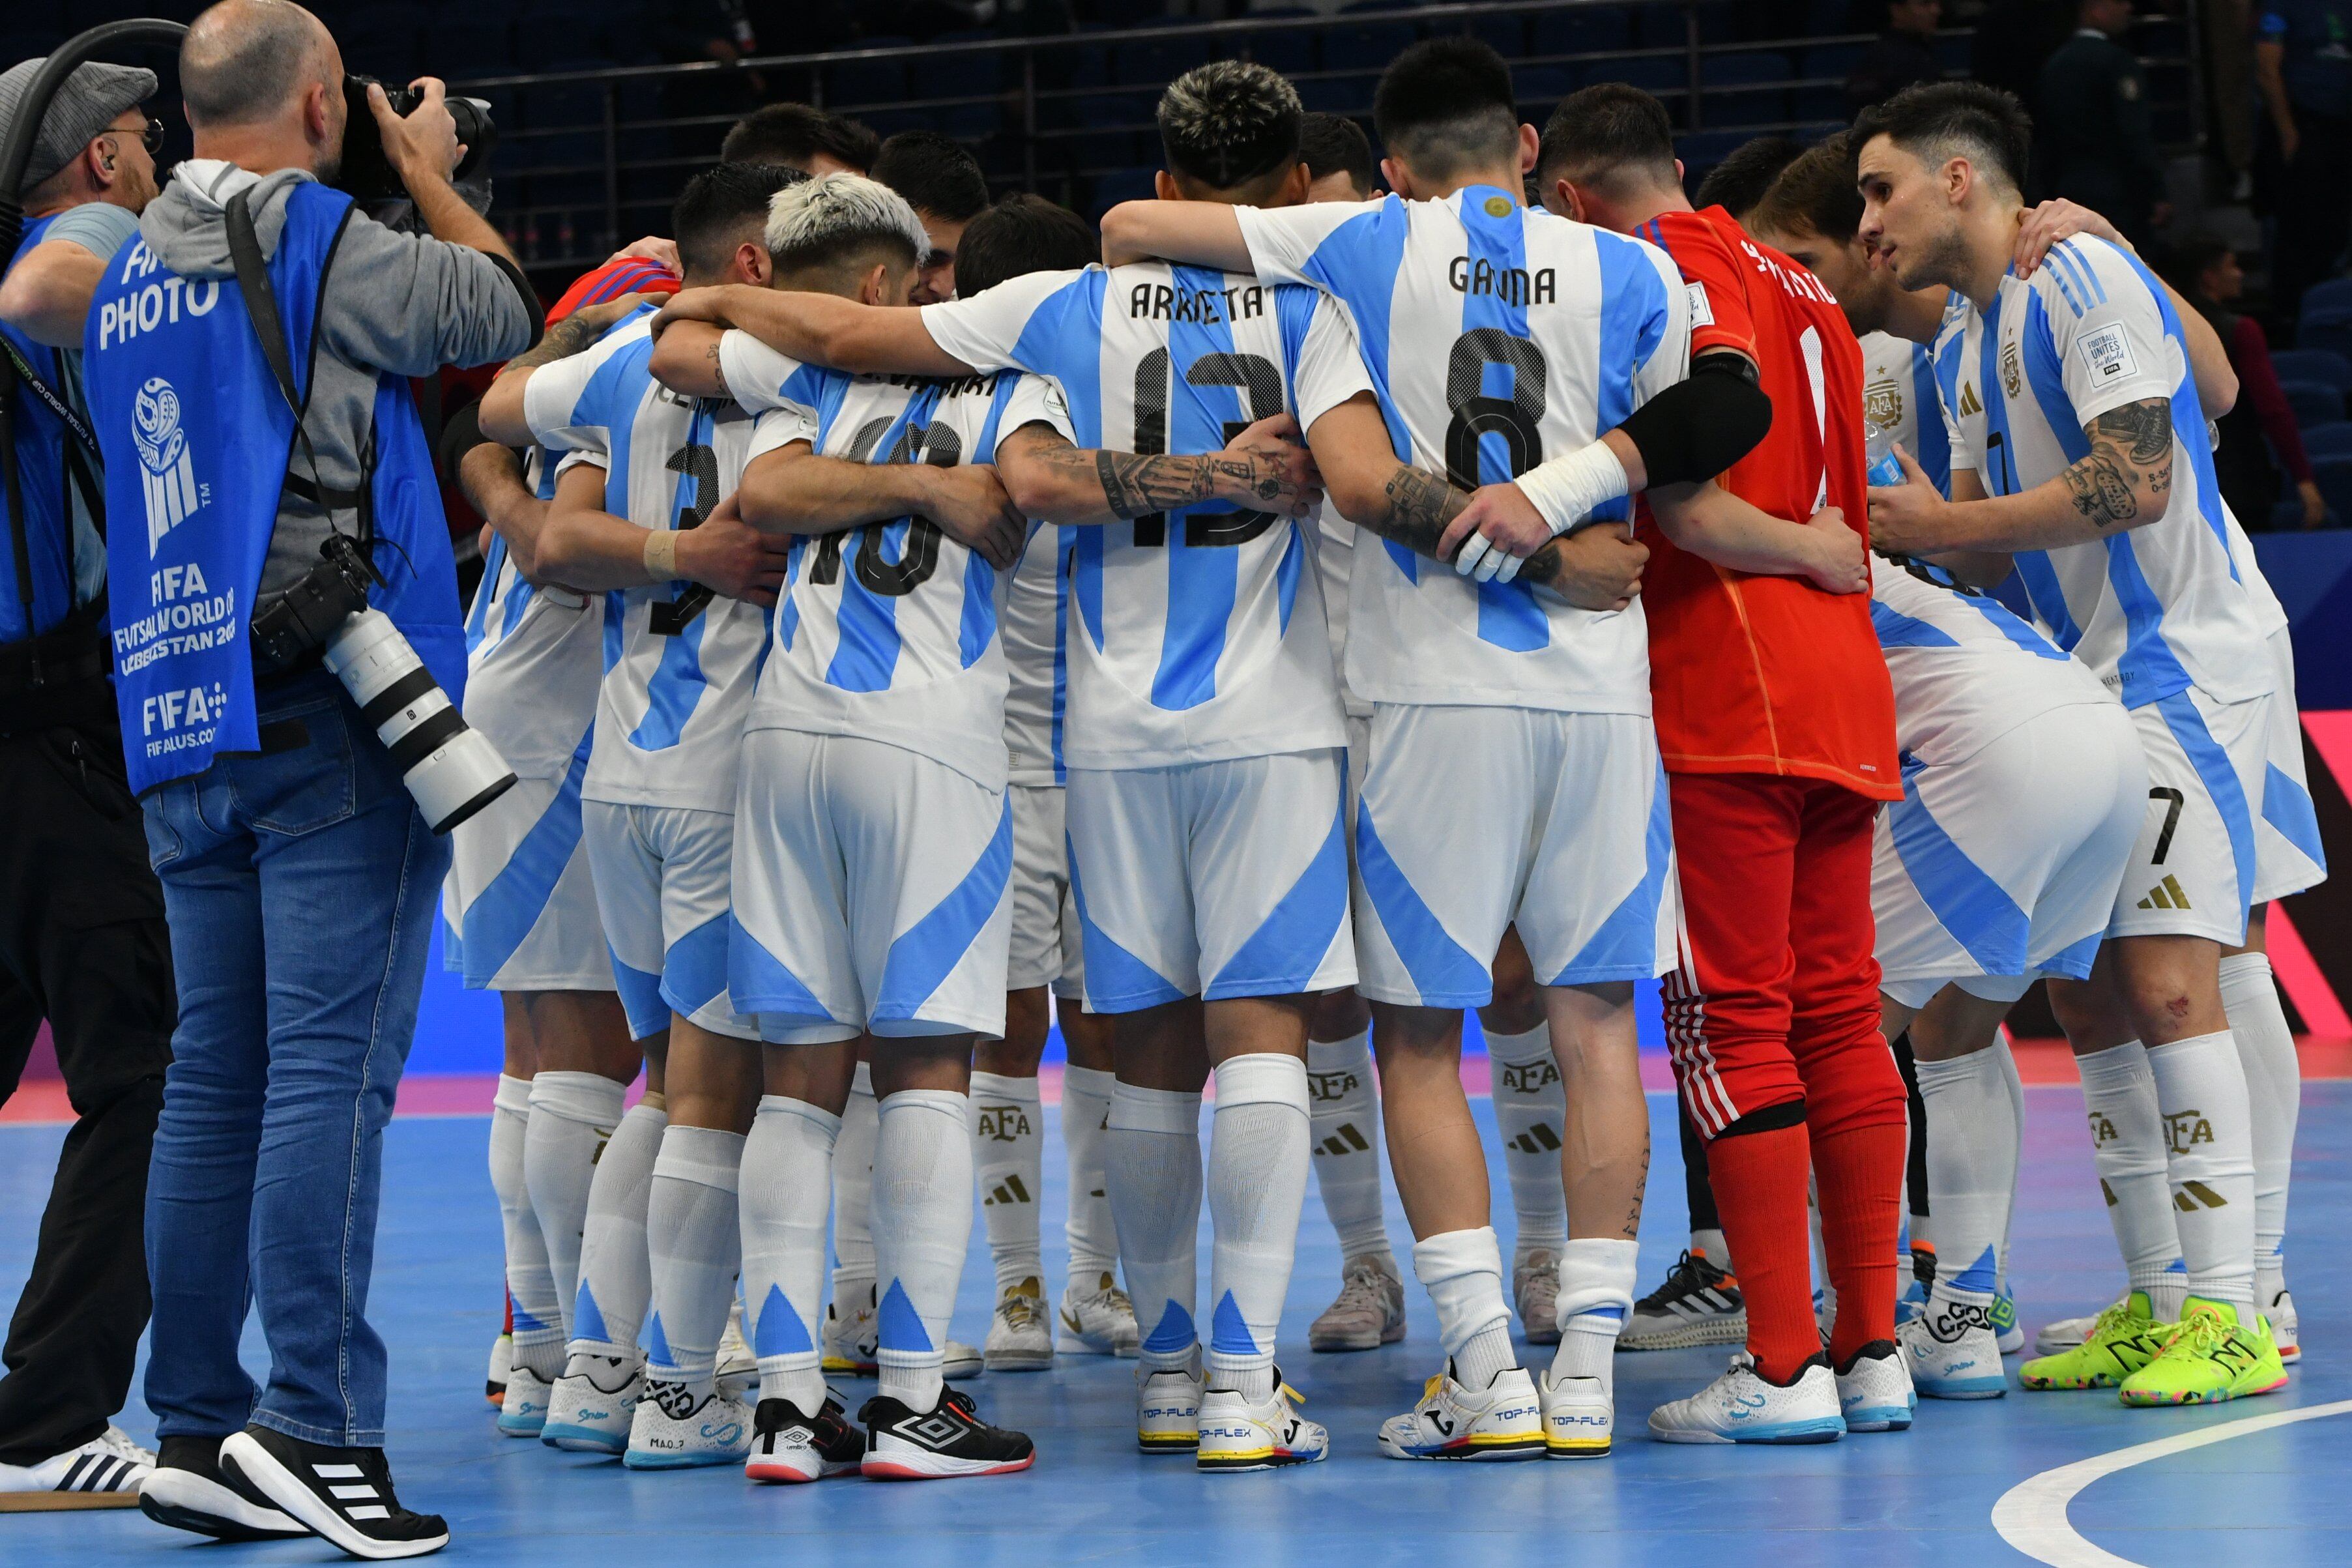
404	303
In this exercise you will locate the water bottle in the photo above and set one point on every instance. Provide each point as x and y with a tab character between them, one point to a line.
1878	445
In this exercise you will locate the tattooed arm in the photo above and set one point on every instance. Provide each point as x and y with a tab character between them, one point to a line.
502	404
1054	481
686	360
2123	482
1596	568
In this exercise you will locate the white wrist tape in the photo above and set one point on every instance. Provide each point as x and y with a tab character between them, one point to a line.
661	554
1566	489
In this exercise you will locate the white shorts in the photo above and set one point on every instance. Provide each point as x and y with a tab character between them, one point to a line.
2004	865
873	891
2192	872
519	902
1212	879
1044	942
1359	759
2287	853
662	890
1474	819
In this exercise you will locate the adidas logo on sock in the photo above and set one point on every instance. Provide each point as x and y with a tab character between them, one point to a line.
1346	1141
1537	1140
2166	895
1008	1191
2190	1196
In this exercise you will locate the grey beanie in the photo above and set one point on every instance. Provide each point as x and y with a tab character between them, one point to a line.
86	103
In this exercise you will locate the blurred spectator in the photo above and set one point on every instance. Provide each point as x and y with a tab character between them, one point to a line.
2209	278
2014	39
2303	64
2095	141
1904	54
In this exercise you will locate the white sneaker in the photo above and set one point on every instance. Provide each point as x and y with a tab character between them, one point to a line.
739	1370
2064	1334
588	1411
1168	1409
1580	1417
675	1428
1502	1421
1238	1436
1741	1407
962	1362
1954	1353
494	1384
851	1330
2287	1327
1535	1289
1018	1339
523	1412
1097	1321
1875	1392
1370	1310
105	1472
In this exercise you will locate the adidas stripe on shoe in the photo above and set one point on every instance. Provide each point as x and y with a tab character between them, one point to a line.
104	1472
1695	1304
343	1494
188	1491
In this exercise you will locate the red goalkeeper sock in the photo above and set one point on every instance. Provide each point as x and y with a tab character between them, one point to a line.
1860	1171
1760	1190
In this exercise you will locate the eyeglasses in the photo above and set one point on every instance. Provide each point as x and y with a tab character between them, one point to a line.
150	134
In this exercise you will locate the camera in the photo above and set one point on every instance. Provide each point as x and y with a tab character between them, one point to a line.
367	174
449	767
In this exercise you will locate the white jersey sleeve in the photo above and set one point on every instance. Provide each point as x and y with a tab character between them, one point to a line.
1284	242
760	378
987	329
572	404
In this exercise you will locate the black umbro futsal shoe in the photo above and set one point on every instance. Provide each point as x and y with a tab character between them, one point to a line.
948	1439
188	1490
343	1494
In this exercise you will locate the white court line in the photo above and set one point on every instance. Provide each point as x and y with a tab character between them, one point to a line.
2032	1515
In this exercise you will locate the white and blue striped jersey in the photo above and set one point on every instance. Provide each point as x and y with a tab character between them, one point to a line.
1496	336
679	661
534	658
1197	636
1038	658
889	631
1898	395
2153	610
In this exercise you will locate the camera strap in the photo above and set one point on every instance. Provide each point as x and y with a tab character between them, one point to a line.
261	306
81	454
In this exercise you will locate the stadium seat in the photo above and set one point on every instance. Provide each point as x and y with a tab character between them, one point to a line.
1290	50
2333	439
2314	401
2331	299
1745	90
861	84
1701	151
1508	35
384	41
1663	27
961	74
1540	87
1367	47
1343	95
1158	61
2334	477
1580	32
1124	185
2313	364
1669	80
2333	333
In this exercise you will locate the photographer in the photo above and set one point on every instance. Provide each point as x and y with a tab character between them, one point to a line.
298	874
82	941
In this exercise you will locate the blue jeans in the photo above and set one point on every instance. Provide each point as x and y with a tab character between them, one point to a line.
300	887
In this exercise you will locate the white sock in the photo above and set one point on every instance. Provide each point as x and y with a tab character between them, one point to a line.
1971	1158
783	1200
1008	1141
2127	1146
616	1274
853	1184
571	1116
2014	1082
2274	1096
1346	1130
1531	1112
922	1226
1151	1155
1256	1184
693	1241
1597	1276
2201	1092
1086	1110
531	1283
1462	1272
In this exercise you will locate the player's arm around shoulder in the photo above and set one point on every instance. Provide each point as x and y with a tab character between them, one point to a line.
795	490
1264	467
504	409
816	329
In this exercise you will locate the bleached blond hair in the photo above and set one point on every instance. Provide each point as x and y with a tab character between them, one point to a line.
835	217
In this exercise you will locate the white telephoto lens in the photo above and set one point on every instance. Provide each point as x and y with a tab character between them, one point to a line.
449	767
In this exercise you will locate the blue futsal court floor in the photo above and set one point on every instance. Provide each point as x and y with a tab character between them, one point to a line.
2274	1494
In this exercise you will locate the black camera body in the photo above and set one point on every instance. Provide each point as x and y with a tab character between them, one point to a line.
293	628
367	174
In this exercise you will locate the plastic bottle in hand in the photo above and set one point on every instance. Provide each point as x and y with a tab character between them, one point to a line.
1878	443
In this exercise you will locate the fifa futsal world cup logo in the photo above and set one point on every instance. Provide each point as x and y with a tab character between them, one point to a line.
170	481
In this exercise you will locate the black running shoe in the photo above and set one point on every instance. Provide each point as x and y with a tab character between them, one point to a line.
188	1490
787	1445
948	1439
343	1494
1698	1304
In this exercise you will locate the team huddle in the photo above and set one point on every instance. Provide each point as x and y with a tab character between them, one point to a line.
872	671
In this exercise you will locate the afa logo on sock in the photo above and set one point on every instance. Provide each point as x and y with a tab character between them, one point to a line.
2183	1130
1002	1123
